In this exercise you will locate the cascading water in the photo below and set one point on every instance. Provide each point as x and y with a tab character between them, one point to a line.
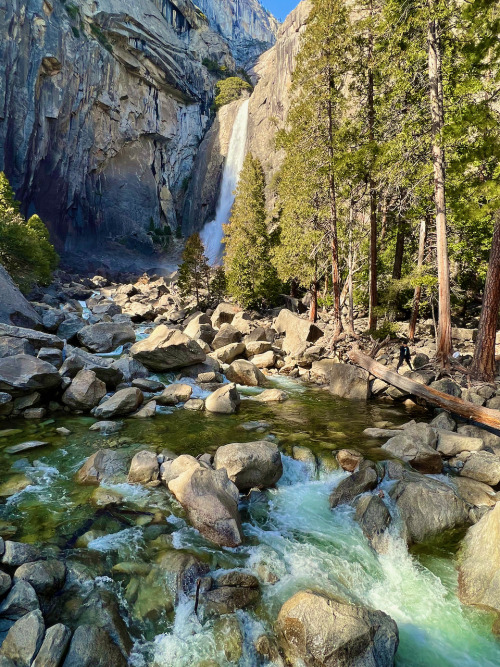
212	233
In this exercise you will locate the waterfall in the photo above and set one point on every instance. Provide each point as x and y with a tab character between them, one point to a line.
212	233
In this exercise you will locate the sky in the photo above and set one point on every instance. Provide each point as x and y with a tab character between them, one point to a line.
280	8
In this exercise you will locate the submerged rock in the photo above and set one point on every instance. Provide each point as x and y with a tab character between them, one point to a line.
352	486
318	631
250	464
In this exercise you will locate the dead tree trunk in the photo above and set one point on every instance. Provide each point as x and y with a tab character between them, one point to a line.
483	365
436	106
418	289
450	403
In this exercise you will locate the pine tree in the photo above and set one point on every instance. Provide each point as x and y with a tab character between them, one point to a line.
218	284
251	278
194	271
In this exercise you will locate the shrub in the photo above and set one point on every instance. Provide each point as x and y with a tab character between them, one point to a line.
229	90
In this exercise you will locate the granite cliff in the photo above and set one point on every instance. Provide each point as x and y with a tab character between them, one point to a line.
103	105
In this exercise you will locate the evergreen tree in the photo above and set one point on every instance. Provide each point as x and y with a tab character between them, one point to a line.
218	284
25	248
194	271
251	278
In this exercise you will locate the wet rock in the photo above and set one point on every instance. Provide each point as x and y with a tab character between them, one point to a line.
104	465
211	502
10	346
35	413
473	492
298	332
144	468
24	639
106	336
373	517
224	314
352	486
167	349
228	353
350	382
321	630
195	404
250	464
349	459
416	445
229	638
123	402
54	646
101	609
225	400
20	601
245	372
13	485
271	396
147	385
450	444
447	386
25	446
91	645
444	421
483	467
106	497
381	433
15	309
19	553
84	392
427	506
46	576
305	455
175	393
23	373
235	590
478	580
106	427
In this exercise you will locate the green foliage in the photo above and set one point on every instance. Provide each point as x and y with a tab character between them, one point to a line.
159	235
75	31
218	284
230	89
194	271
73	11
101	37
25	249
178	232
251	278
387	328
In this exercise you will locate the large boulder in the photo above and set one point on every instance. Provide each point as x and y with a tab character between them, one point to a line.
131	369
352	486
175	393
54	646
106	336
228	353
167	349
46	576
84	392
105	464
110	372
482	466
14	308
225	400
21	599
23	640
10	346
224	313
317	630
348	381
450	444
479	569
298	332
245	372
144	468
200	328
373	517
226	335
92	646
416	445
250	464
123	402
23	373
427	506
37	339
211	502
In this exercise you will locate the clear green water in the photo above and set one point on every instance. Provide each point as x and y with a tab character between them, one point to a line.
290	532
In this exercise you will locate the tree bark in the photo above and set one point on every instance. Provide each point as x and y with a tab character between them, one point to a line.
372	316
418	289
436	106
450	403
337	319
398	254
313	312
483	364
351	269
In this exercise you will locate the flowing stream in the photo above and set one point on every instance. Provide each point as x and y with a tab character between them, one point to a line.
212	233
292	538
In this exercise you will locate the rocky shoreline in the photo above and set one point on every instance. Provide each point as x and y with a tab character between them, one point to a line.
436	477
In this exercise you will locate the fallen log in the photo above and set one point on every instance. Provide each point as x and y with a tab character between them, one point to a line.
462	408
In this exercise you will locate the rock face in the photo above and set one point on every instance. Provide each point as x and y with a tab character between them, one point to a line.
479	573
317	631
23	373
14	308
250	464
167	349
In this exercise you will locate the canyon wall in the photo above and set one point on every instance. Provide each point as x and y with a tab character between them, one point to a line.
102	108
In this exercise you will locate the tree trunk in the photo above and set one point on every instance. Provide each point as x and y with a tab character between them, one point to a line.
398	255
372	316
418	289
351	269
450	403
313	312
436	106
337	320
483	364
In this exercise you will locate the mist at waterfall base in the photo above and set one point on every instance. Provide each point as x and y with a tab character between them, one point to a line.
212	233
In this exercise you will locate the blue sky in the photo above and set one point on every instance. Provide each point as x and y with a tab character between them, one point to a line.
280	8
